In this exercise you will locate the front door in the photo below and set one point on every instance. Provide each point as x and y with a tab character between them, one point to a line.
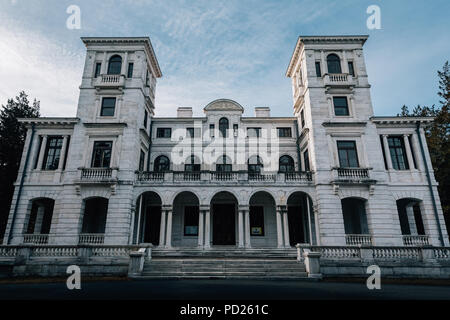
224	232
152	224
297	225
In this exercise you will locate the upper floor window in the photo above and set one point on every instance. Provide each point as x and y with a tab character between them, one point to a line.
115	65
285	132
108	107
348	156
340	106
142	161
306	160
318	69
162	164
101	157
398	153
130	70
334	64
98	69
223	127
286	164
302	118
254	132
52	153
235	129
351	68
145	119
163	132
191	166
255	165
224	165
211	130
192	132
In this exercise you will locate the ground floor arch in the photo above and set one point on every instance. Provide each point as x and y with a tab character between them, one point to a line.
223	208
39	220
299	222
263	228
186	220
147	219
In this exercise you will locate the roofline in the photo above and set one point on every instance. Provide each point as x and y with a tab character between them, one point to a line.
352	38
394	119
146	40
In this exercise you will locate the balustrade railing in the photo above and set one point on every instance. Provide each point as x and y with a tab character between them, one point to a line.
35	238
150	176
96	174
91	238
417	240
353	173
111	78
298	176
224	176
338	77
358	239
186	176
262	177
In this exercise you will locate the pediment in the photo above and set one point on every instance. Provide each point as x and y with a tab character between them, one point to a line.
224	105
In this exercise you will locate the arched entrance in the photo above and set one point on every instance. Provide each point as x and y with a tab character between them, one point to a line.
147	222
301	219
224	211
185	220
263	228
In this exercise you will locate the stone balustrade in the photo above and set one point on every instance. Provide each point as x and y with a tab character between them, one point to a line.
97	175
35	238
416	240
338	79
353	173
358	239
91	238
110	81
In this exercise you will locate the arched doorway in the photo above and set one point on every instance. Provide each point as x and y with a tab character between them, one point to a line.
263	224
301	219
147	222
39	221
185	226
411	222
224	210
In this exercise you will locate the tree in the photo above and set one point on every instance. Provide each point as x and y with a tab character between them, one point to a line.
438	137
12	139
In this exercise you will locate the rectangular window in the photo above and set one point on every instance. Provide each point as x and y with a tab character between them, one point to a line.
145	119
98	69
351	69
398	153
130	70
235	130
164	133
108	107
52	153
348	155
190	132
191	214
340	106
318	69
284	132
101	157
254	132
257	221
211	130
147	79
142	161
302	118
306	160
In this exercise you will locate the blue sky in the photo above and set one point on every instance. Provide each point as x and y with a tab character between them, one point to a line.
222	49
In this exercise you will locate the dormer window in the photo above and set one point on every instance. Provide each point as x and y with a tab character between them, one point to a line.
334	64
115	65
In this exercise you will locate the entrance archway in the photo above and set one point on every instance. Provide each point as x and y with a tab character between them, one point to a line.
263	224
147	222
223	214
301	219
185	225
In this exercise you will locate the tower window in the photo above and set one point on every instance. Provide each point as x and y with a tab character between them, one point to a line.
98	69
340	106
115	65
398	153
318	69
53	153
145	119
108	107
302	118
348	156
306	160
142	161
334	64
101	157
130	70
351	69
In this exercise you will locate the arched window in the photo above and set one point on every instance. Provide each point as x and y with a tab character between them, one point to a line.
334	64
191	165
162	164
224	164
115	65
94	218
255	165
223	127
286	164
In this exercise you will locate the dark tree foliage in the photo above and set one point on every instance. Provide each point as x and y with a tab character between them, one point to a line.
12	138
438	137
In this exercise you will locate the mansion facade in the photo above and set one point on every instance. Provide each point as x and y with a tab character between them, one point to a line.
333	174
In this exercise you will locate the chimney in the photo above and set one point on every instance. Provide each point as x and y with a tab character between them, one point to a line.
184	112
262	112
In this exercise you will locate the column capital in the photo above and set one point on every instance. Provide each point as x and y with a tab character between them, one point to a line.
243	208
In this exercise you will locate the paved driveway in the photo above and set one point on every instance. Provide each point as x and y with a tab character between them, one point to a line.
221	289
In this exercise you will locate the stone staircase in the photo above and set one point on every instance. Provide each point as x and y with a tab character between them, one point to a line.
222	263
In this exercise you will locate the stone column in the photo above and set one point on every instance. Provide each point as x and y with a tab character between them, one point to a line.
286	228
104	68
345	62
411	220
42	153
241	228
200	229
279	228
416	147
169	229
387	152
247	229
408	152
124	64
207	229
162	228
62	157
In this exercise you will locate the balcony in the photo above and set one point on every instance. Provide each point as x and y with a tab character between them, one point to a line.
352	176
358	240
338	80
416	241
97	175
110	81
91	238
35	238
214	177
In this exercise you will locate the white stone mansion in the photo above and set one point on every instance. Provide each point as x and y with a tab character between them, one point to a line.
332	175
